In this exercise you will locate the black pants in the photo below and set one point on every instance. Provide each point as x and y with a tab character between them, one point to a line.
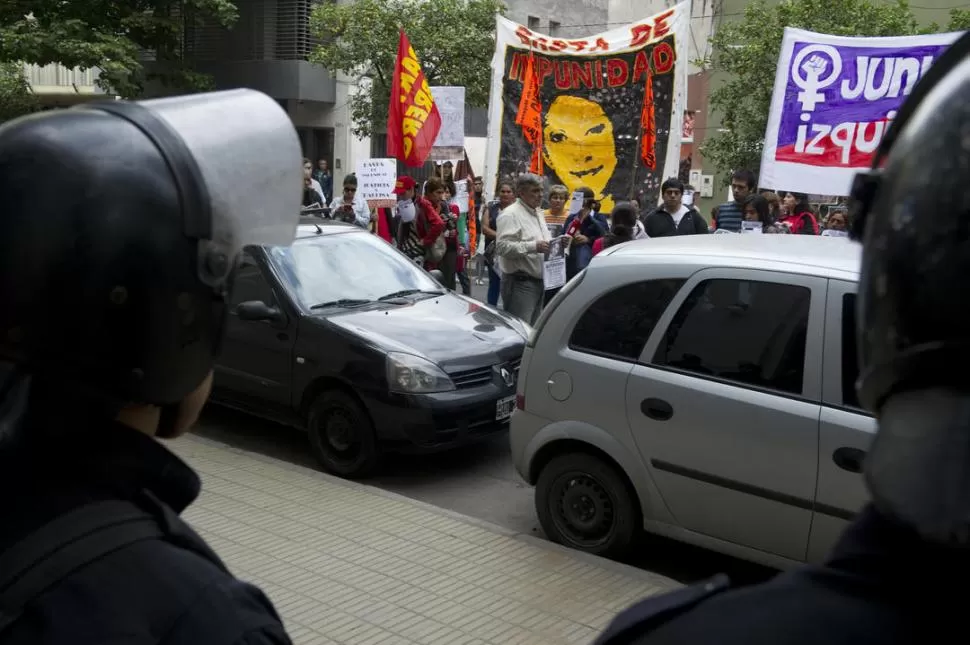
448	266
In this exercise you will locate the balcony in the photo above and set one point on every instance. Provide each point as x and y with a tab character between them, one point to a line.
58	81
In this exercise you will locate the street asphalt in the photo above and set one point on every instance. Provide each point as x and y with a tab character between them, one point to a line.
479	481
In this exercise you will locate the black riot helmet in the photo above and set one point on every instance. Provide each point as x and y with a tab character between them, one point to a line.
120	224
912	213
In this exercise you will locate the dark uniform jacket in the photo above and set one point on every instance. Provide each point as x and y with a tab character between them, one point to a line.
881	585
172	590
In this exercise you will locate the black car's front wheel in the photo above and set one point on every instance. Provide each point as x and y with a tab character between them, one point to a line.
342	435
585	504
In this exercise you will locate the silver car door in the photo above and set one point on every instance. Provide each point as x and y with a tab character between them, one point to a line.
724	406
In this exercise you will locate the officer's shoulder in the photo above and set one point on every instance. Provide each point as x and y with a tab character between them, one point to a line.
654	611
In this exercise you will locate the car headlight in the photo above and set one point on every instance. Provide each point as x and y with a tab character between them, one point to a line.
415	375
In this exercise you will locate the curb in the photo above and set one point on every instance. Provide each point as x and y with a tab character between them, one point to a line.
594	560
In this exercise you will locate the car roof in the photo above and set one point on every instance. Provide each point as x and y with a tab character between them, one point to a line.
808	254
316	226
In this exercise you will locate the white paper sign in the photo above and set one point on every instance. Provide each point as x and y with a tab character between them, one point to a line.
375	182
576	204
461	195
554	266
752	227
831	232
450	142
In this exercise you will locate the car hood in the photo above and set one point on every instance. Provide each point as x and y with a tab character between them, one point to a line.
455	332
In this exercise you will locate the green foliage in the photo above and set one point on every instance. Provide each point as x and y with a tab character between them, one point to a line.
15	96
110	35
747	50
454	40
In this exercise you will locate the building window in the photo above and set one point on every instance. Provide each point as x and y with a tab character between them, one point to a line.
554	28
533	23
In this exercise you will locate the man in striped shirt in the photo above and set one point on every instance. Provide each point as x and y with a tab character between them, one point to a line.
730	214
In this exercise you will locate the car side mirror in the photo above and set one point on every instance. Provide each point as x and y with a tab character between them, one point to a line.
437	275
257	310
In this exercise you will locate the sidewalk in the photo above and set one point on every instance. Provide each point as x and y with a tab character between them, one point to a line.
347	563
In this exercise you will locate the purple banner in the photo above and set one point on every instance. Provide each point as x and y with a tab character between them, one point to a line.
839	100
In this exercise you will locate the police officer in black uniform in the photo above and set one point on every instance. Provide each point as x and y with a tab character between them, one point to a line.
120	224
899	572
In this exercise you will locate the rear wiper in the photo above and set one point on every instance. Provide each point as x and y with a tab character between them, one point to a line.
343	302
409	292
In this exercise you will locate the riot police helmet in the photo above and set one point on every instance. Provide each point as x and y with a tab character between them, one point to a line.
912	213
120	225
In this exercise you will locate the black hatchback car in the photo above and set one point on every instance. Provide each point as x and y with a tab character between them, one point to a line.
342	335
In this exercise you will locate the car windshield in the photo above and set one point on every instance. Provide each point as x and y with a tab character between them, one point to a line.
348	268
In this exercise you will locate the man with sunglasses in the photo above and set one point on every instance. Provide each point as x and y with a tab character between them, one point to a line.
349	207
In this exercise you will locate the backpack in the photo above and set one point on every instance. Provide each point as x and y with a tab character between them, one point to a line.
73	541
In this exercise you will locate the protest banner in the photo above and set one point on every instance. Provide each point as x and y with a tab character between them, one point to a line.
834	97
375	182
603	112
450	143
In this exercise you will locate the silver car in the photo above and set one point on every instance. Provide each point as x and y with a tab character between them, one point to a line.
702	388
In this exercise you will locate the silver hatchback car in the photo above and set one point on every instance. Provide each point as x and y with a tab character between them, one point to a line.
702	388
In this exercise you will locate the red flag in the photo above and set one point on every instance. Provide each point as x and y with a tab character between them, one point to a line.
413	119
529	114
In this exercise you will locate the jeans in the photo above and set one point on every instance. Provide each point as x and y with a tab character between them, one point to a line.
494	287
522	296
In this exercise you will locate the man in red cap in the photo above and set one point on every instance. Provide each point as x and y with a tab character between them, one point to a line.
419	223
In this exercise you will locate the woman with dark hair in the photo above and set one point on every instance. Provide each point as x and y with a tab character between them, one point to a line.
756	208
624	227
797	215
450	214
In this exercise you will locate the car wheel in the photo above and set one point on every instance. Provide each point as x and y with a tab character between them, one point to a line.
585	504
342	435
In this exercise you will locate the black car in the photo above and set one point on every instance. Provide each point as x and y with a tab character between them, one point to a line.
342	335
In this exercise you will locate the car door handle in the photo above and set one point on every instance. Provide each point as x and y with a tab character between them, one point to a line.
657	409
849	459
282	335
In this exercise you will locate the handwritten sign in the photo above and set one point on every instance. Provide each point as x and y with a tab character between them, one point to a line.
450	143
375	182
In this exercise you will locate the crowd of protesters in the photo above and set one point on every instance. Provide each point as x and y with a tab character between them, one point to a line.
509	237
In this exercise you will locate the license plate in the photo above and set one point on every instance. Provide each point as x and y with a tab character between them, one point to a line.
504	407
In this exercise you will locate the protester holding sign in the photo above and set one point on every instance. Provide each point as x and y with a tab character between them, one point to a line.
757	209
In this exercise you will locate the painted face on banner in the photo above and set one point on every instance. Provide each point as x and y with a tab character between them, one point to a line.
605	104
578	143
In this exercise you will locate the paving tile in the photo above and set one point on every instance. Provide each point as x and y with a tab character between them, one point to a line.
348	564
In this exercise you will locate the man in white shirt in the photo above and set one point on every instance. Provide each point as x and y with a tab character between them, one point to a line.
350	208
522	241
